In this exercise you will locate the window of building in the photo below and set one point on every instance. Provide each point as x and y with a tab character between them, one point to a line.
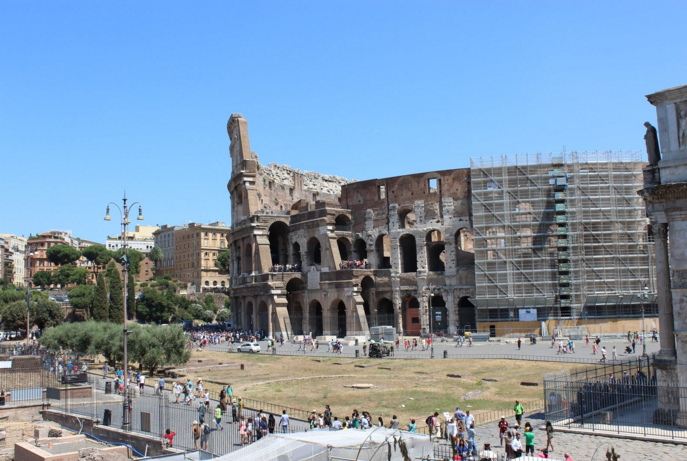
433	184
381	192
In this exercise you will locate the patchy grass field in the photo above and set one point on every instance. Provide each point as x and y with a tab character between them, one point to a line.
408	388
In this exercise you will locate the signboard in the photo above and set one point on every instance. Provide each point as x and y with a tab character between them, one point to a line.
5	364
527	315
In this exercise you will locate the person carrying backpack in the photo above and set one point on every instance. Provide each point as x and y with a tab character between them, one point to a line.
204	435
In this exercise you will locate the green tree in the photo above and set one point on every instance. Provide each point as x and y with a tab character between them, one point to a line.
68	275
154	306
116	294
14	315
223	262
223	315
209	302
135	257
81	297
10	296
62	254
42	279
97	254
227	304
156	256
46	313
100	305
110	343
131	296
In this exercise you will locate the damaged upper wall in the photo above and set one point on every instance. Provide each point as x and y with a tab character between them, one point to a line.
272	189
281	188
441	193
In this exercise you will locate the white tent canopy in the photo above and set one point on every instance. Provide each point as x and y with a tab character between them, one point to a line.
324	445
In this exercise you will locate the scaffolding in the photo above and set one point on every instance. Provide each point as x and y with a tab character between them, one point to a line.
562	234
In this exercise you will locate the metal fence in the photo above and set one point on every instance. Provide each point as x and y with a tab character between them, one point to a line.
152	413
619	398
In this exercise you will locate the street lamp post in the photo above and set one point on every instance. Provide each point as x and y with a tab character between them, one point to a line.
644	295
27	271
430	295
124	211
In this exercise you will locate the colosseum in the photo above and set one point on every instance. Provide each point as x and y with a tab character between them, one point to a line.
321	255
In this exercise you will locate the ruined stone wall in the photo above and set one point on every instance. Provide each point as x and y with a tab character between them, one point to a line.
404	191
281	188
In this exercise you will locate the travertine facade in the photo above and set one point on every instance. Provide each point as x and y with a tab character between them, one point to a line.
316	254
665	193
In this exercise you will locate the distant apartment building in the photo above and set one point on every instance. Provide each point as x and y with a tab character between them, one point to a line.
18	247
141	239
38	245
164	240
6	261
196	247
65	235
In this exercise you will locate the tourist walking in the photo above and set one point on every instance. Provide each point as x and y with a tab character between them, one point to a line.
503	427
218	418
284	422
519	410
529	441
472	446
243	431
549	435
195	432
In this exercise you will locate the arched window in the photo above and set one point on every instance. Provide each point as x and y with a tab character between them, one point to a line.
344	248
383	250
406	218
343	223
408	253
314	251
436	251
278	237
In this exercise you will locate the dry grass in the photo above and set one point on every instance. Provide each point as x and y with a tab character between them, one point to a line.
420	385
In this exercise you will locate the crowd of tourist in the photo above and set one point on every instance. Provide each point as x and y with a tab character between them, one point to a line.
286	268
353	264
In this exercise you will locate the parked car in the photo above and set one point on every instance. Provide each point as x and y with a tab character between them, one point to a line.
249	347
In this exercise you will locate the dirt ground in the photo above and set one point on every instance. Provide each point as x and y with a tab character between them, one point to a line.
406	388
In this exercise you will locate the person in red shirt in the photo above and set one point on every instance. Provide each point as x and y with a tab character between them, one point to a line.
503	427
169	435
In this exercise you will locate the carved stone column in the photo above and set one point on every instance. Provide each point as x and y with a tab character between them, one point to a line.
665	299
452	309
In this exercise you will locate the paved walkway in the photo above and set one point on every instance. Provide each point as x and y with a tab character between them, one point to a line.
163	414
582	446
508	349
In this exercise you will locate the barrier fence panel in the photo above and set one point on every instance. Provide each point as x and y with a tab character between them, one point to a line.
621	398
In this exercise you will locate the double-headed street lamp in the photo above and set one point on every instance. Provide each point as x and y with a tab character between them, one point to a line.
28	252
124	211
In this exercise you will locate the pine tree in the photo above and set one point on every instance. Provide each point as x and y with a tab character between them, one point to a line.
100	307
131	296
116	294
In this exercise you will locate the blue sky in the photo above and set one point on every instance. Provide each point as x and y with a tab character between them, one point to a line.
101	96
